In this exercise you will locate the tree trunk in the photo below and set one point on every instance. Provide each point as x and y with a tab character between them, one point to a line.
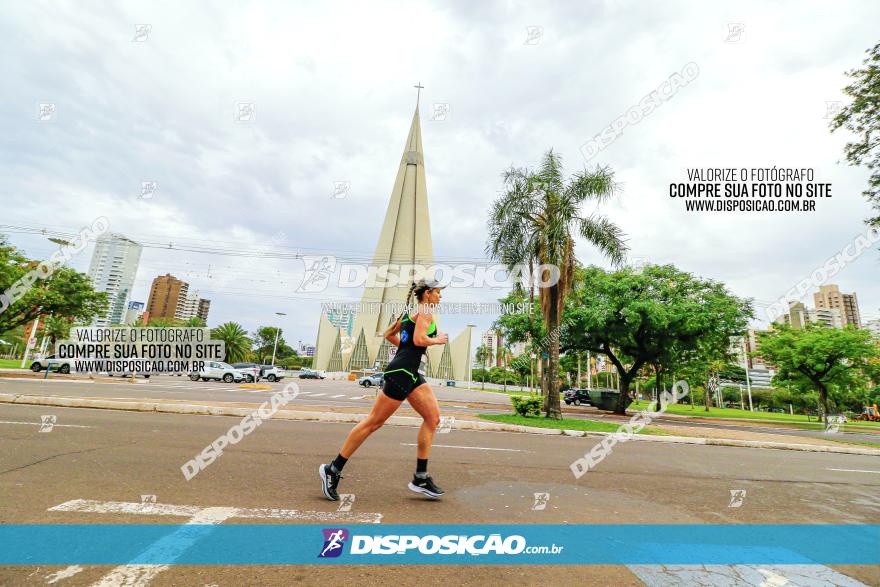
823	401
623	381
658	381
709	389
554	410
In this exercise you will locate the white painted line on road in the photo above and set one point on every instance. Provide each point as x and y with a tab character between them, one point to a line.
854	470
123	507
168	546
64	574
276	514
469	447
757	575
335	396
317	394
162	509
53	425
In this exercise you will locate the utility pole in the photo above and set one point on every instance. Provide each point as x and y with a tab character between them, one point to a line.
277	332
589	372
31	341
748	379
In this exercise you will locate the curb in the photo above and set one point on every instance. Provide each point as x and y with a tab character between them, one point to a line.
207	410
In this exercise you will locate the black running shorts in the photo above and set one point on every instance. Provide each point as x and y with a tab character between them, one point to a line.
399	384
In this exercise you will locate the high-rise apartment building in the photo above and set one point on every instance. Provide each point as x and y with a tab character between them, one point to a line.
204	308
830	297
168	297
799	315
112	270
194	307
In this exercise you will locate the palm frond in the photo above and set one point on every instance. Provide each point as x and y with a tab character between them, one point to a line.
606	236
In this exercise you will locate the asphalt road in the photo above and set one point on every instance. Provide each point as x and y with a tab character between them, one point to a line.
114	456
348	394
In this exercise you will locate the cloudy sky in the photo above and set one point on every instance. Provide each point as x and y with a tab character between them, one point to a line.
332	92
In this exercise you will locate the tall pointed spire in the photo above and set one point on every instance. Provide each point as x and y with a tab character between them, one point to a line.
406	232
405	239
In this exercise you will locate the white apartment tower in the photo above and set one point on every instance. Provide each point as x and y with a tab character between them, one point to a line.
112	270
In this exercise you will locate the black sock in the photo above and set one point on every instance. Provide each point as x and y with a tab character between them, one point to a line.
421	468
338	463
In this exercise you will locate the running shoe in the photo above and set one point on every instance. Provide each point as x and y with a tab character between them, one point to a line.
329	481
425	486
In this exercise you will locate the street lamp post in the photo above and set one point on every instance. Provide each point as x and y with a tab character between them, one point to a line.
277	332
469	361
748	379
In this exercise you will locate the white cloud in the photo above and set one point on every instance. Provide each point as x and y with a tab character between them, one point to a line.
332	92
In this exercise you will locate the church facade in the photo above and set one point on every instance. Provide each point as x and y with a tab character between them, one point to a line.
405	240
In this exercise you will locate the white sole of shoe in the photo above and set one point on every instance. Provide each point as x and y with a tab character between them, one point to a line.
324	482
424	491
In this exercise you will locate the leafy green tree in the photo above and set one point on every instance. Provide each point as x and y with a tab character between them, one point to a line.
264	344
65	293
862	118
819	358
534	223
194	322
637	318
483	354
56	328
238	345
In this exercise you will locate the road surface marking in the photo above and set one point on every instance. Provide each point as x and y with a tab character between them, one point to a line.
335	396
64	574
53	425
139	575
162	509
854	470
317	394
757	575
168	546
470	447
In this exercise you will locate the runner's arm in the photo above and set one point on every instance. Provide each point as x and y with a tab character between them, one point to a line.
392	333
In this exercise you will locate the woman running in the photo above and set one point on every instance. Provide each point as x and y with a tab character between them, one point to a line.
412	333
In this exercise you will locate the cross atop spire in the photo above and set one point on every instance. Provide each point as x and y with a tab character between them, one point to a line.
419	87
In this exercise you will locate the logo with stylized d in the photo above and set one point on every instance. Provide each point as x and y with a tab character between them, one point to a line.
334	541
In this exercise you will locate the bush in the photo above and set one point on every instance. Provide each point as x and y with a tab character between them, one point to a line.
526	405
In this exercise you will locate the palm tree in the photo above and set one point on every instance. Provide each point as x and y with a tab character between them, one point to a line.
483	355
238	345
534	223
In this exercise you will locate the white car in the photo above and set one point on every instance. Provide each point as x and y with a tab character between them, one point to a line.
272	373
60	365
219	372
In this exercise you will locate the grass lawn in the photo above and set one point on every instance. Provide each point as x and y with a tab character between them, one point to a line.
10	363
564	424
700	411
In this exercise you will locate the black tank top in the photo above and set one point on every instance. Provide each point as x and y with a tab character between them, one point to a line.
409	356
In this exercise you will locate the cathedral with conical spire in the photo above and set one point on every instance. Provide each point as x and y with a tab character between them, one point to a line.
405	239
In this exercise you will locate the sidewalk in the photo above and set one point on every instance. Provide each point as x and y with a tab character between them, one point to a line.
462	421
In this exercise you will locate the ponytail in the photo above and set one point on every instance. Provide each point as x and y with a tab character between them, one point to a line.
394	327
409	294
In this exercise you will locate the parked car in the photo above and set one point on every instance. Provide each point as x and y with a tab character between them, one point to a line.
311	374
271	373
251	371
219	372
577	397
61	365
377	379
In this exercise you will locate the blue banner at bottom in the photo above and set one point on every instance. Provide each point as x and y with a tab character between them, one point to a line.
565	544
